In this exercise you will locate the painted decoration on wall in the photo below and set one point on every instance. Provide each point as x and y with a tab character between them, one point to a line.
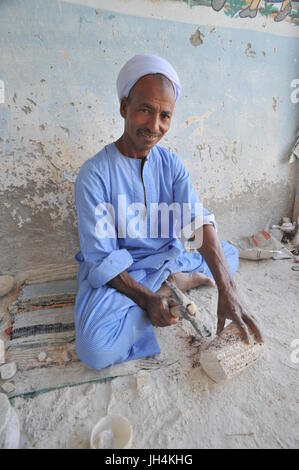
289	9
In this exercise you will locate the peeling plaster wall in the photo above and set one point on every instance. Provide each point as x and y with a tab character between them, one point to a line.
233	127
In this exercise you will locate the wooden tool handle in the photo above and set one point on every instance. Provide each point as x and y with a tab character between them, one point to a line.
191	309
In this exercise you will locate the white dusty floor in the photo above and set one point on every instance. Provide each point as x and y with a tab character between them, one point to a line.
179	406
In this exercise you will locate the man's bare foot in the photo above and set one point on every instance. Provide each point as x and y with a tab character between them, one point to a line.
186	281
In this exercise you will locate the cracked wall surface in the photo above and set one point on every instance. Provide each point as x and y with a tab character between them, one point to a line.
234	124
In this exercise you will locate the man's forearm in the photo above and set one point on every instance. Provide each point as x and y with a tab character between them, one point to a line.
212	252
127	285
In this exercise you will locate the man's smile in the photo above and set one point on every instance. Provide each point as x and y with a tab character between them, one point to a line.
147	136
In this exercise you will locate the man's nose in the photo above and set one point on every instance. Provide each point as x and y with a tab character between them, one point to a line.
154	124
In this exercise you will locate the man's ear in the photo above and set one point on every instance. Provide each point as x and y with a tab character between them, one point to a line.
124	107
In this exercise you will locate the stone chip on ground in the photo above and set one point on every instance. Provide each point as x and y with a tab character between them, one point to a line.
8	387
42	356
8	370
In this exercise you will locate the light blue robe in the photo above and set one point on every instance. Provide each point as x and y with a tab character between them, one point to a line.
110	327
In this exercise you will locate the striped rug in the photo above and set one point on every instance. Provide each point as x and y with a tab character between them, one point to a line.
42	337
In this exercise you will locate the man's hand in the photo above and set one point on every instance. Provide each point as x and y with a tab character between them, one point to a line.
229	307
156	306
229	304
158	310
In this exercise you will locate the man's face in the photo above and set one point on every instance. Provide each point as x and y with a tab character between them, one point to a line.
148	112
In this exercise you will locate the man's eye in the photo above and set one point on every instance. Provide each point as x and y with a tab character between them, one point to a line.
144	110
165	116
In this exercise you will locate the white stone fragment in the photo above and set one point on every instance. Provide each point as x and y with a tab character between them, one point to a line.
42	356
8	387
8	370
2	352
9	425
6	284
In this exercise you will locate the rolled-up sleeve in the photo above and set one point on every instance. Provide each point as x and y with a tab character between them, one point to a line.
209	219
101	253
116	262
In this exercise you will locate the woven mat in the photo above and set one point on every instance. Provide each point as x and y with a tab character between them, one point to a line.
40	314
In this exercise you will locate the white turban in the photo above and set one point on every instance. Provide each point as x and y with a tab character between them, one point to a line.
141	65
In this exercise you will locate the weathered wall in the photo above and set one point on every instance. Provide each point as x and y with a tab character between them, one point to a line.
234	124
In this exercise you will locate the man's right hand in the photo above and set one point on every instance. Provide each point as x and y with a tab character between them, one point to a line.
158	310
157	306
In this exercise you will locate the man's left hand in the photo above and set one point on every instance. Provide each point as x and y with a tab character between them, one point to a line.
230	307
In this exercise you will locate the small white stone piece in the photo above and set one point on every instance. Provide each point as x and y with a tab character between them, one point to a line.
2	352
288	227
9	425
105	440
42	356
8	370
8	387
6	284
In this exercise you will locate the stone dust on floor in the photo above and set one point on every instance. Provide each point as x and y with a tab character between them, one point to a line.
172	403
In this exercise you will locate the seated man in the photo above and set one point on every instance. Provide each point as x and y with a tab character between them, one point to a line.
122	272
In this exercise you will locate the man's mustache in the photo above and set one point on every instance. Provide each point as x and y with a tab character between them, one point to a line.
147	132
